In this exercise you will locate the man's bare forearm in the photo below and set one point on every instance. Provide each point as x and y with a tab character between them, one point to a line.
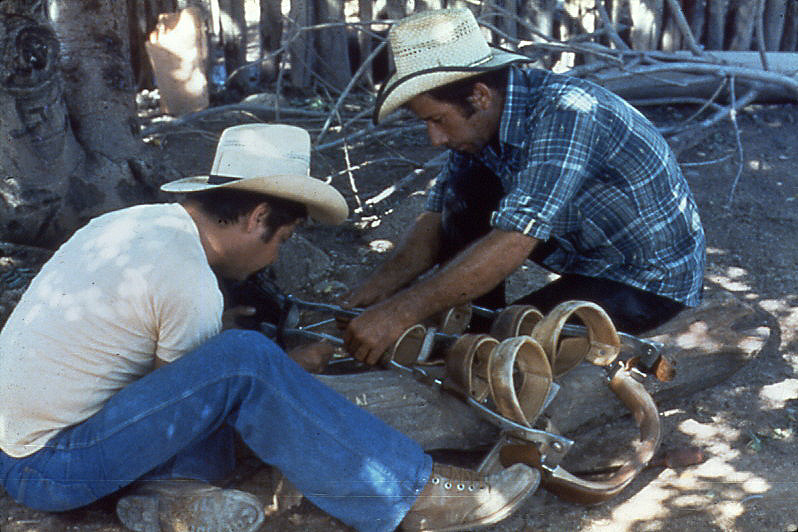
474	272
416	253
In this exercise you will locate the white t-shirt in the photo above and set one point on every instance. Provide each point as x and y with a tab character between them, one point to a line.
130	286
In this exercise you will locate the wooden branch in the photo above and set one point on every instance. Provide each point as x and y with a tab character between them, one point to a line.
740	160
759	33
691	137
364	65
611	31
622	81
371	131
402	402
684	27
408	180
268	113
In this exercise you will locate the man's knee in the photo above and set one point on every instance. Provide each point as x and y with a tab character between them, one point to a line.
247	348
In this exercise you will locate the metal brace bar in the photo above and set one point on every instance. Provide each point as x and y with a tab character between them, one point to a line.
554	446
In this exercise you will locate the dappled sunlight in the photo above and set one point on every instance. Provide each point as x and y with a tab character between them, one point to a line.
787	315
733	279
717	489
697	336
109	249
778	394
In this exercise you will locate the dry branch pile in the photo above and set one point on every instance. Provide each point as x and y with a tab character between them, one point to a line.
717	56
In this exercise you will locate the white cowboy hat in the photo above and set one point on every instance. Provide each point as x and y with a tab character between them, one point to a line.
434	48
270	159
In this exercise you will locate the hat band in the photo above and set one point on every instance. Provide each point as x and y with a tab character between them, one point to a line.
214	179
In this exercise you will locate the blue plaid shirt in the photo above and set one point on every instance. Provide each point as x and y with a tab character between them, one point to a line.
581	166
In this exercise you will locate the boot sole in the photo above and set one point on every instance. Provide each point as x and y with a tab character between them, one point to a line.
213	511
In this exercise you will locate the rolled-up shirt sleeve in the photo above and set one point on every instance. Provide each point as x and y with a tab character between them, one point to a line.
558	151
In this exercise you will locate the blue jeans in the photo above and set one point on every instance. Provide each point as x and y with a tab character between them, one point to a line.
180	421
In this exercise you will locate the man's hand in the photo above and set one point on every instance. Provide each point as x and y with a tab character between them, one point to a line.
368	336
364	295
312	357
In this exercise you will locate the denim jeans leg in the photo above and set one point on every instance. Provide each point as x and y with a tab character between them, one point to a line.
342	458
211	460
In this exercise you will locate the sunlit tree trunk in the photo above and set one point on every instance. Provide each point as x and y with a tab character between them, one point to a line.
67	117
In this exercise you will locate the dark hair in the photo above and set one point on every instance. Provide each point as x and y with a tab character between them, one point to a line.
230	204
458	92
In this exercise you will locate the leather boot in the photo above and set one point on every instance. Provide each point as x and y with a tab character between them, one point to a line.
179	506
459	499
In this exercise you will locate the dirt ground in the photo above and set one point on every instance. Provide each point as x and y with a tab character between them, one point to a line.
746	426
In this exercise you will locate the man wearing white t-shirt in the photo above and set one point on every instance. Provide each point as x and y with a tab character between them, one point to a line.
114	368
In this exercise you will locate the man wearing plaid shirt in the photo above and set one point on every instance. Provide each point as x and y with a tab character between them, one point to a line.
541	166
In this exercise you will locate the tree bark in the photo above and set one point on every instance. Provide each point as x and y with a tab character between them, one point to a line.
716	24
67	108
775	14
646	23
696	15
745	13
302	15
790	38
331	45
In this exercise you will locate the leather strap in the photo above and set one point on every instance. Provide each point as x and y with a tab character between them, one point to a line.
515	320
456	319
601	347
519	357
580	490
467	362
407	347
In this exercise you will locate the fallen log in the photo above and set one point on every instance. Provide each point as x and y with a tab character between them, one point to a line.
706	345
685	77
435	419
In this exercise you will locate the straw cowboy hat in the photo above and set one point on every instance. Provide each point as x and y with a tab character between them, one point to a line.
270	159
434	48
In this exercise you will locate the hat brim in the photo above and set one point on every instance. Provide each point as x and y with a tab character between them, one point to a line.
324	203
398	91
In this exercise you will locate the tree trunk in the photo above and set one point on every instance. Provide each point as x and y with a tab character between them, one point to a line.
233	33
331	45
302	14
646	23
745	13
671	34
696	15
775	11
271	24
790	39
716	23
67	110
365	42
